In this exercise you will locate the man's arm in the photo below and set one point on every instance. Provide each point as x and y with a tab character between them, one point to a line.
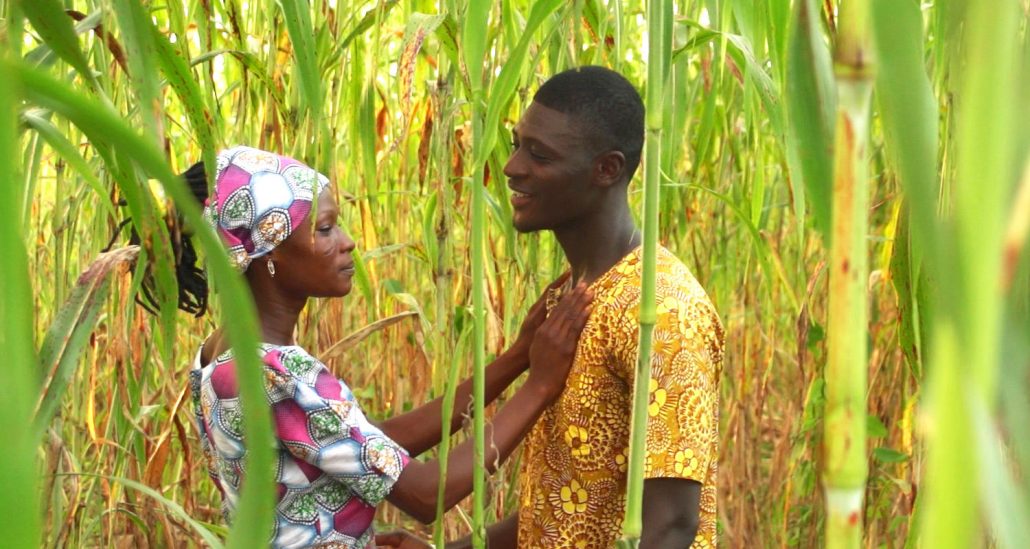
672	511
500	535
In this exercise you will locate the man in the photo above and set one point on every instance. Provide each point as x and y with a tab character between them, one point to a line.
575	152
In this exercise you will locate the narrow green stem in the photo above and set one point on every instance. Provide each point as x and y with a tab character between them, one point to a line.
478	340
658	43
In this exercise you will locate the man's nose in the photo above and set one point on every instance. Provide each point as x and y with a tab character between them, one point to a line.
513	167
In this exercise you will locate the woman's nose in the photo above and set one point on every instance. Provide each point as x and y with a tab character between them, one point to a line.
347	245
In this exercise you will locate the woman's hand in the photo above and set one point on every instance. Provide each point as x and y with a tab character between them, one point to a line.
401	540
554	345
534	318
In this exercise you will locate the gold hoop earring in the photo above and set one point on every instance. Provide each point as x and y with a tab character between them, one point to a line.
271	267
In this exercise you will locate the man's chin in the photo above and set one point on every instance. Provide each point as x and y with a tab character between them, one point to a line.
524	227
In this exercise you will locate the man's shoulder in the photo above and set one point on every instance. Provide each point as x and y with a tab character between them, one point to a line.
676	289
676	281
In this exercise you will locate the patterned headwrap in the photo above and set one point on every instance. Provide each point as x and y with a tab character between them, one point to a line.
258	201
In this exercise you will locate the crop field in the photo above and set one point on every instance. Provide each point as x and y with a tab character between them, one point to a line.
849	181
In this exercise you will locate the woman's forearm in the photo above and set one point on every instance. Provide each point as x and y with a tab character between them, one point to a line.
420	429
416	490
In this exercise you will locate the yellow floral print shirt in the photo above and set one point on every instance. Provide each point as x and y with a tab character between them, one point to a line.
574	464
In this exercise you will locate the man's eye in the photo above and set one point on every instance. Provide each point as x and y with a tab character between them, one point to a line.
325	229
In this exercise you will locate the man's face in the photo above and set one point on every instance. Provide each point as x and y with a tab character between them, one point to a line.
550	171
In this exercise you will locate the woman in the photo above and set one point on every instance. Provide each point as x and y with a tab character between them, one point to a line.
334	465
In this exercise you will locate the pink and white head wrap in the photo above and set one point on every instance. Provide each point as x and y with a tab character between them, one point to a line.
259	199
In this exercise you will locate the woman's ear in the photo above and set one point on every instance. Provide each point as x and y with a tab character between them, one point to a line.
610	168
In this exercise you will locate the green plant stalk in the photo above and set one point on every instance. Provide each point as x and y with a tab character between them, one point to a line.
442	272
844	435
20	502
479	344
474	49
659	44
445	438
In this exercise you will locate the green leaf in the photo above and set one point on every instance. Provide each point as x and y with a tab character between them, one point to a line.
447	34
473	40
361	277
366	23
297	14
1006	508
67	151
889	455
134	22
44	53
56	29
504	88
811	103
182	80
72	326
105	126
909	116
904	276
172	507
874	427
19	503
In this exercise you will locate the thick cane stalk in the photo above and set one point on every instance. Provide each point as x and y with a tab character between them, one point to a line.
659	12
844	439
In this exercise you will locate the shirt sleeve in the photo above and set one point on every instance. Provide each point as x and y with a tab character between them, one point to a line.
318	421
682	410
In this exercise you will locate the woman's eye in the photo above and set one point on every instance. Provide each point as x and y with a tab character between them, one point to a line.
325	229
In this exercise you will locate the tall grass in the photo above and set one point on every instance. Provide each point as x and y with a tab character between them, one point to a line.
379	95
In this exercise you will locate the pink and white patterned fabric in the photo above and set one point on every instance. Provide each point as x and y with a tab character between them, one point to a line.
333	465
258	200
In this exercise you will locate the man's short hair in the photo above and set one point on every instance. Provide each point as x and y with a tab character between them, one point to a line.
606	105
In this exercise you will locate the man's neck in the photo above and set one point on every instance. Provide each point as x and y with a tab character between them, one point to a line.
596	244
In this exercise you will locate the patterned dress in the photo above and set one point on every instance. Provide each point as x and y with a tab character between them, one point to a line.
574	476
333	467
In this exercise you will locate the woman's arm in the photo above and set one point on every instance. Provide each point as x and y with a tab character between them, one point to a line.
416	490
420	429
551	355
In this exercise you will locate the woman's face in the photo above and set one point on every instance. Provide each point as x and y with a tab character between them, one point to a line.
316	261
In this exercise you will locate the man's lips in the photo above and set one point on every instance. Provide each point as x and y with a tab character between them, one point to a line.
519	198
